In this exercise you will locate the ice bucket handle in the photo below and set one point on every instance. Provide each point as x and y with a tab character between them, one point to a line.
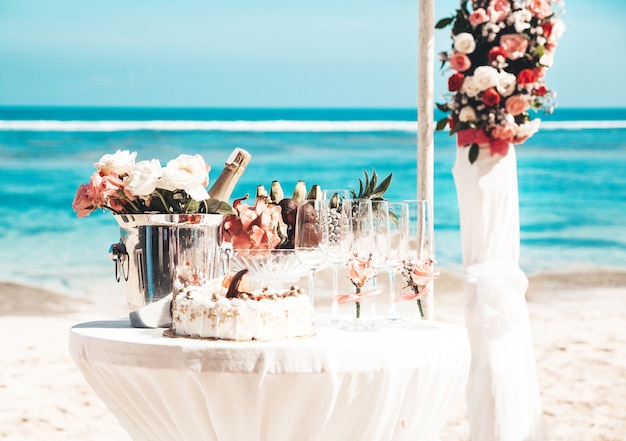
119	256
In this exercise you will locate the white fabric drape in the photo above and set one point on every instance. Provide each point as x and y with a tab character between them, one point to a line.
503	392
395	384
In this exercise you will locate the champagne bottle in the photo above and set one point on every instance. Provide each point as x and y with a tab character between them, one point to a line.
234	167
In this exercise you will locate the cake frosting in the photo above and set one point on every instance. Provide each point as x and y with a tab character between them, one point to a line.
210	310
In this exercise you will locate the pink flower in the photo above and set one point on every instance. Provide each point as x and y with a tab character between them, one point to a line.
460	62
540	72
418	276
505	132
360	270
539	8
514	46
517	104
106	186
477	17
84	202
420	273
498	10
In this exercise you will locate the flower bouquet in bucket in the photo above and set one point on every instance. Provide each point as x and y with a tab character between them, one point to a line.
169	223
124	186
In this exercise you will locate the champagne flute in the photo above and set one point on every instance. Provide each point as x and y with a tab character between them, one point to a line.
363	233
311	237
399	242
421	230
381	247
362	227
421	238
339	235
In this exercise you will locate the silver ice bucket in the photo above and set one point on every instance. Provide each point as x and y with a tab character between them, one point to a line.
153	249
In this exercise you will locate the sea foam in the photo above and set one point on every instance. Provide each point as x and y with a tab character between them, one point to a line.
261	126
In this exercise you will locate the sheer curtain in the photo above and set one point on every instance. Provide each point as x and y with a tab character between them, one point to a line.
503	392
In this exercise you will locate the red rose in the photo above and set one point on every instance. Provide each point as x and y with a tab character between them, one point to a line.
495	52
547	28
455	82
541	90
526	76
491	97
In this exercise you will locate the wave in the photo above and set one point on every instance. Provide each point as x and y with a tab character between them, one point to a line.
260	126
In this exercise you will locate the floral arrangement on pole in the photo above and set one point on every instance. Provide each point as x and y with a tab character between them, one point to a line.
124	186
360	271
501	50
418	275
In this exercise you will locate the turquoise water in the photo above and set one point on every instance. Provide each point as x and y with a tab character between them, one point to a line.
572	177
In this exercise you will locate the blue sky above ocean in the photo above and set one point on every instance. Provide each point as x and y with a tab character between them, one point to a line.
264	54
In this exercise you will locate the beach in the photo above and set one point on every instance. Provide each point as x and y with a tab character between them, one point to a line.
577	323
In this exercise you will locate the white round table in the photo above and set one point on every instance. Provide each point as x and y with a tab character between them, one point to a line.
393	383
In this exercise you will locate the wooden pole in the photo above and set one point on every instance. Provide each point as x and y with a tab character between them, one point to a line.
425	101
425	118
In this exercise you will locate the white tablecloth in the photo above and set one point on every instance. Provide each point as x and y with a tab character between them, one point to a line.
389	384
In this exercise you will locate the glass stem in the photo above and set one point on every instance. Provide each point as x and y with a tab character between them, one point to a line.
391	312
334	311
373	299
311	287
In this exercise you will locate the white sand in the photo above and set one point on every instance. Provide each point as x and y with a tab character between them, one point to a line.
578	325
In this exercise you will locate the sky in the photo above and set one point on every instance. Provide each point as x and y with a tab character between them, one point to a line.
271	53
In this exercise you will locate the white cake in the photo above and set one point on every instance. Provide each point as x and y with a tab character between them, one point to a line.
204	311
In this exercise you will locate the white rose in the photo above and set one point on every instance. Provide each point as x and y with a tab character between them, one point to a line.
469	87
558	28
188	173
528	129
486	77
120	162
547	59
520	20
506	85
467	114
464	43
143	177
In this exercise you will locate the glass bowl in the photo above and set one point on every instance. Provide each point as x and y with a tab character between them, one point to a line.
268	266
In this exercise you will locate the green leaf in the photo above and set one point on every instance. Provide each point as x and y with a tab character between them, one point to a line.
382	188
444	22
442	107
192	207
458	126
473	153
218	207
441	124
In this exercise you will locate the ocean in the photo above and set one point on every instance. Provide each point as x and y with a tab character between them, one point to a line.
572	178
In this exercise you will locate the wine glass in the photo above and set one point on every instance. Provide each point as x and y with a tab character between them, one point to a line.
311	237
339	236
399	242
